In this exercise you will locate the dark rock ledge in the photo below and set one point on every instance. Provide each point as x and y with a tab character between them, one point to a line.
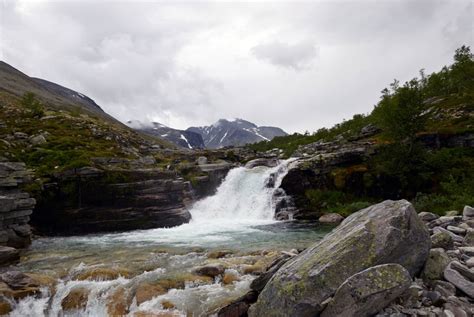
383	261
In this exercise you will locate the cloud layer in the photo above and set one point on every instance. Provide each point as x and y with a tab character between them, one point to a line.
299	65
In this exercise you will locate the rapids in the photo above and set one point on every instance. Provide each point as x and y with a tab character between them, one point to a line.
237	219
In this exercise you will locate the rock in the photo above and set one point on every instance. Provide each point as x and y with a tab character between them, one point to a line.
458	307
218	254
456	230
432	298
102	274
262	162
453	274
38	140
229	278
446	289
146	291
389	232
76	299
369	291
427	216
210	270
468	213
239	307
331	218
201	160
469	238
451	213
470	262
5	307
8	255
435	265
469	251
455	237
442	240
259	283
118	302
20	136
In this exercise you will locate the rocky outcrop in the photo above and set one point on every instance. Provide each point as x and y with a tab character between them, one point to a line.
16	206
89	199
214	174
389	232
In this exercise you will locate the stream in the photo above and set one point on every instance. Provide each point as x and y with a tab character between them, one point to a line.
150	272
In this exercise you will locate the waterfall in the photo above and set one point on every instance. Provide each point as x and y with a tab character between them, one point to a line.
245	194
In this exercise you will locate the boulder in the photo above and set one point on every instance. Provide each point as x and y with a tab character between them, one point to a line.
210	270
427	216
75	299
435	265
469	238
331	218
468	213
38	140
239	307
442	240
388	232
201	160
455	237
369	291
456	273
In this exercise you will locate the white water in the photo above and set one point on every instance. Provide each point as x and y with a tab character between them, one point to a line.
242	201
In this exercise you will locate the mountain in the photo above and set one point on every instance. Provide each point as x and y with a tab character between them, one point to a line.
185	139
235	133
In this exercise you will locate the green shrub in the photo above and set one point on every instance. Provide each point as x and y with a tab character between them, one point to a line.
30	102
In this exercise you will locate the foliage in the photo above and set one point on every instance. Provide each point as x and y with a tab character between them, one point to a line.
334	201
30	102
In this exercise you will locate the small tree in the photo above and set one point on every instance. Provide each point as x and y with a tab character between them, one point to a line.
30	102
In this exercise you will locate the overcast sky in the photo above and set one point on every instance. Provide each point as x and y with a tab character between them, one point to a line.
297	65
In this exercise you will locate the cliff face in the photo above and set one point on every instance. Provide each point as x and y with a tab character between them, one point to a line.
16	207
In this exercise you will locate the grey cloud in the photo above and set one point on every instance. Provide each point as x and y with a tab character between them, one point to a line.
297	56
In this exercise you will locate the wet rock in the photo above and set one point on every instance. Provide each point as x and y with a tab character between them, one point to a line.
218	254
76	299
369	291
211	270
259	283
5	307
146	291
331	218
456	274
427	216
389	232
435	265
272	162
239	307
119	302
166	304
229	278
8	255
442	240
102	274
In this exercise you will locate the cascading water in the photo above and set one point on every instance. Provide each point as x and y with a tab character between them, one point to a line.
245	199
245	195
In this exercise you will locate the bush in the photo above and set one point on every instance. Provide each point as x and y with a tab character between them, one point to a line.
30	102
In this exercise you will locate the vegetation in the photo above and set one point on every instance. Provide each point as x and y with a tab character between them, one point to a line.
435	178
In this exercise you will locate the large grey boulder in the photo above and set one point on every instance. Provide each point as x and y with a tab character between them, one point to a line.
369	291
388	232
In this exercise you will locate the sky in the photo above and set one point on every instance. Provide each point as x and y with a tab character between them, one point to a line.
298	65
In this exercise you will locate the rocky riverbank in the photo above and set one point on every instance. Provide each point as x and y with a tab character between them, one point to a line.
384	260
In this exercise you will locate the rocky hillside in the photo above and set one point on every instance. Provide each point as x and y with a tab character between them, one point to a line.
236	132
417	144
182	138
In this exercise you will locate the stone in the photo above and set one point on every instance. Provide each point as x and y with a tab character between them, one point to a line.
8	255
427	216
20	135
211	270
369	291
451	213
442	240
229	278
102	274
38	140
456	238
435	265
201	160
469	251
239	307
146	291
259	283
388	232
468	213
331	218
118	302
75	299
452	274
262	162
469	238
446	289
470	262
456	230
